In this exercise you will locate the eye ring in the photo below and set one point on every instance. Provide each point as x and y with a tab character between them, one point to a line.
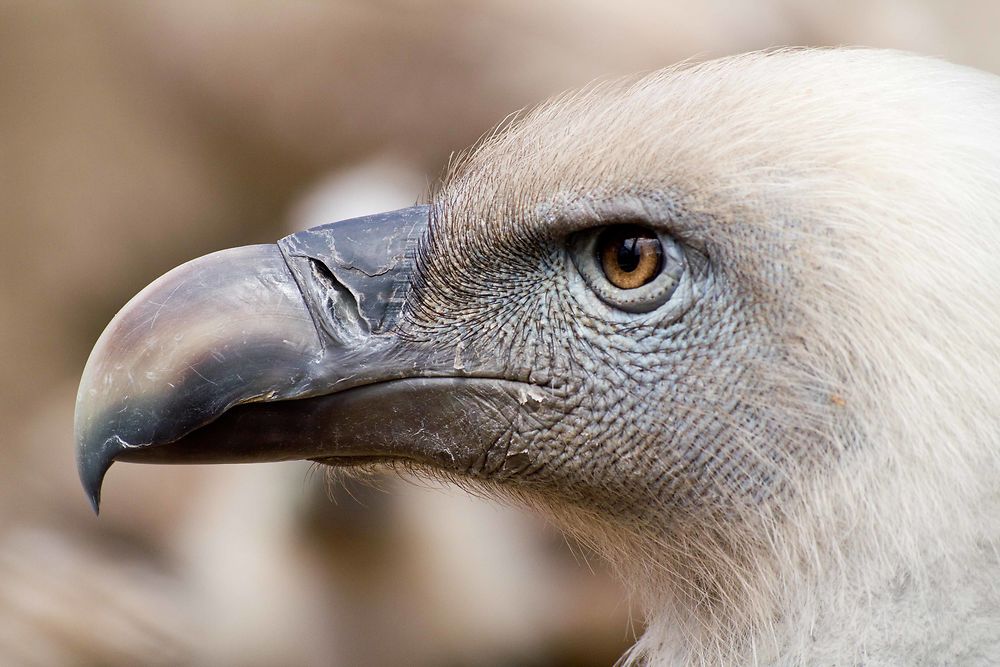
638	281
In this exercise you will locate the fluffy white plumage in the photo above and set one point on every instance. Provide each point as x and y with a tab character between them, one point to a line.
856	194
889	166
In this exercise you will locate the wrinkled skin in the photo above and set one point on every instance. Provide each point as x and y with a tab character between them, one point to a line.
626	418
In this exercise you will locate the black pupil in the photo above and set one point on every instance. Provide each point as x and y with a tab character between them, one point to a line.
629	254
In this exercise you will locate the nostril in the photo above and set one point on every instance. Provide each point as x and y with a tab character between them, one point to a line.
339	312
355	273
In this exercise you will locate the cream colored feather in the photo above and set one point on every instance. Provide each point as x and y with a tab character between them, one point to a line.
872	180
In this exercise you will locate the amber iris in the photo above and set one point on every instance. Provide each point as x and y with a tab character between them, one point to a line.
630	256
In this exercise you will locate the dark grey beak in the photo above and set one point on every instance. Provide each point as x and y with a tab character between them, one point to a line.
248	355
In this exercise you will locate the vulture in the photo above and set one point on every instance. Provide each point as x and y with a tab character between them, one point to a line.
733	323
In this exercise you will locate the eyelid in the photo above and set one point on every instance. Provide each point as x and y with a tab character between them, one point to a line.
570	213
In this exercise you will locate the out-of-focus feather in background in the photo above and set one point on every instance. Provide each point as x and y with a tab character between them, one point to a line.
136	136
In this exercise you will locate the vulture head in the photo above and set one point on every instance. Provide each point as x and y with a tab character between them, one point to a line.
734	323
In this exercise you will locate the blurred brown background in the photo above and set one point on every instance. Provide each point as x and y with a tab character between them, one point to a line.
135	136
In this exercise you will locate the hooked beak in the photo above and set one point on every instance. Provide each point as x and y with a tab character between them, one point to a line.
282	352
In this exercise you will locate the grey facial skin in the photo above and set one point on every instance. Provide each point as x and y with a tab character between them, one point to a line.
291	351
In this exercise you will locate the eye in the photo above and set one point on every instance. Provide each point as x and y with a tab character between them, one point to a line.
631	267
630	256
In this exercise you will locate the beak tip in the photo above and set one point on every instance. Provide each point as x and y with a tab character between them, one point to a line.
92	487
95	501
93	464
